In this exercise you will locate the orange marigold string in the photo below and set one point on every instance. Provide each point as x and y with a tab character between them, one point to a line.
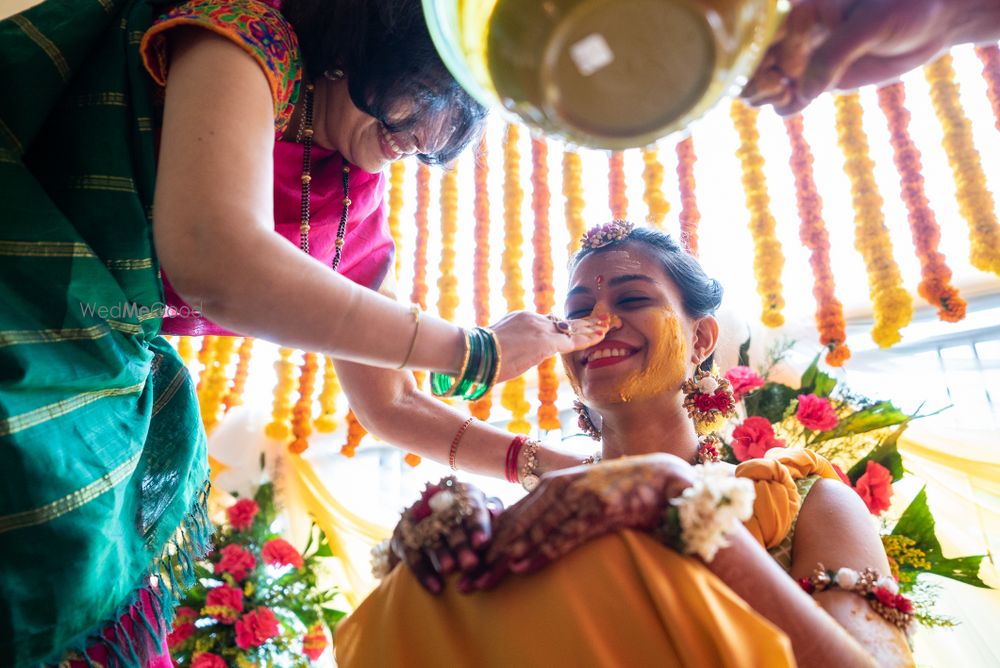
327	421
397	172
205	356
419	293
617	198
235	395
812	232
975	201
652	177
541	272
481	408
768	258
935	282
280	428
512	396
185	349
689	215
990	57
892	306
302	414
355	432
447	282
573	193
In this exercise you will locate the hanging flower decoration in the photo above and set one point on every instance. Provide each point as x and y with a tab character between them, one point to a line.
652	177
355	432
990	57
327	420
548	382
689	216
512	396
234	397
573	195
302	414
812	232
617	198
419	293
397	172
975	201
279	427
935	284
892	305
216	383
185	349
768	258
447	282
206	354
480	408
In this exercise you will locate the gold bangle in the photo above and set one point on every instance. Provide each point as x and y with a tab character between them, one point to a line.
415	311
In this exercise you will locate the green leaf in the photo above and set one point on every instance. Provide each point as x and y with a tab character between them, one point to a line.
917	523
877	416
770	401
744	359
332	616
816	382
885	453
323	550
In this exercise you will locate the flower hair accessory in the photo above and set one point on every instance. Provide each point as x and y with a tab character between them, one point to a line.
602	235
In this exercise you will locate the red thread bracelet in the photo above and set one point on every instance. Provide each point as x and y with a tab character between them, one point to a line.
454	444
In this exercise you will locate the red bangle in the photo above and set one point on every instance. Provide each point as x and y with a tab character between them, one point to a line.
513	452
454	444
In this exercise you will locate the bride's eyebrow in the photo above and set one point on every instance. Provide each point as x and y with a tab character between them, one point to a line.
614	283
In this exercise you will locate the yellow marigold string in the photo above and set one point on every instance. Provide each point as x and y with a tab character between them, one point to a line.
327	420
216	382
541	272
892	306
205	356
572	189
617	198
990	57
447	282
419	293
185	349
689	215
355	432
302	414
235	395
975	201
481	408
935	276
812	232
280	427
512	396
768	258
652	177
397	171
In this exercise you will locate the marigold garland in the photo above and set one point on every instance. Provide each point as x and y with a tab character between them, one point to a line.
213	391
355	432
205	356
652	177
975	201
935	283
617	198
185	349
235	395
419	292
768	258
892	306
302	414
689	215
541	271
572	169
397	171
447	282
481	408
990	57
812	232
512	396
279	427
327	420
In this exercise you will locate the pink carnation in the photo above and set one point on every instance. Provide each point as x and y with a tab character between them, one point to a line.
816	413
224	603
744	381
753	438
180	634
875	487
236	561
256	627
279	552
242	513
208	660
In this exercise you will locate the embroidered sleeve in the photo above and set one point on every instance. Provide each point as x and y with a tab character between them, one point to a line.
254	26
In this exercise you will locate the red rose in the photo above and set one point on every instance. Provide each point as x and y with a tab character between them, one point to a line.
744	381
843	476
256	627
180	633
904	604
422	508
185	615
875	487
242	513
753	438
208	660
708	402
314	642
807	585
885	597
236	561
279	552
224	603
816	413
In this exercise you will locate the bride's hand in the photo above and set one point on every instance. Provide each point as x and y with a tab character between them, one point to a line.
572	506
527	339
450	546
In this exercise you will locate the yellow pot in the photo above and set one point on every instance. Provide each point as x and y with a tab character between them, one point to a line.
610	74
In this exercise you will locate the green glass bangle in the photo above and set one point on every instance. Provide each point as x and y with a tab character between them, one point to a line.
472	368
444	385
487	369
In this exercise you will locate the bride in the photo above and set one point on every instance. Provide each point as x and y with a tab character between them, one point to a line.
803	571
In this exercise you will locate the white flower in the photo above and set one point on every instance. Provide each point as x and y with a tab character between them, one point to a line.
380	559
708	384
711	508
442	501
888	583
846	578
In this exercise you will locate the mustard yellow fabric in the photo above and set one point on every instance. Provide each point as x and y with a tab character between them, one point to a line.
621	600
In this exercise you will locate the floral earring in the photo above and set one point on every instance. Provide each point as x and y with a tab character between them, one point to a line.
584	421
709	400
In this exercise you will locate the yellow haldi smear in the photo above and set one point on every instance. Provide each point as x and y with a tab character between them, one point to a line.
666	362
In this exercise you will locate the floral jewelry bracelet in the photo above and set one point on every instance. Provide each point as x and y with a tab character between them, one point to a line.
882	593
380	560
441	508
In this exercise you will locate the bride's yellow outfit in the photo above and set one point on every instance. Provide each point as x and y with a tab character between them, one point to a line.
621	600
